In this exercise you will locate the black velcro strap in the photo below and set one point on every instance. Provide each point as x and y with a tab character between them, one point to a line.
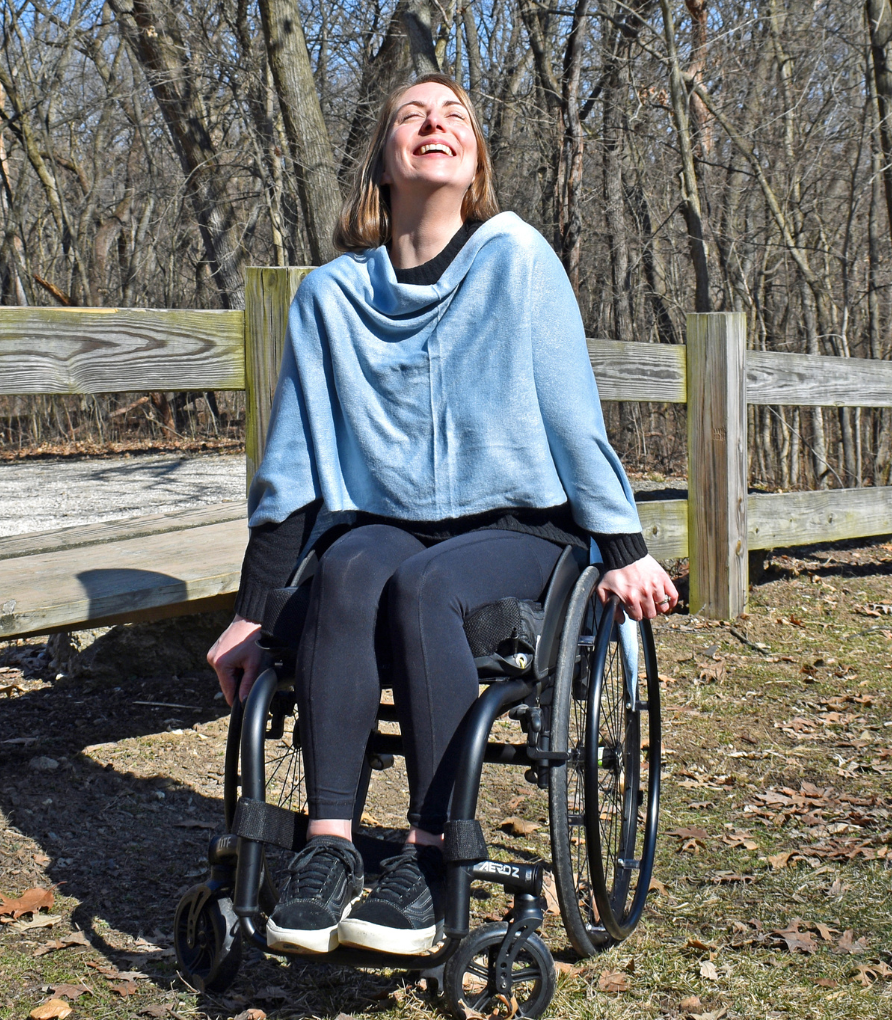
267	823
464	841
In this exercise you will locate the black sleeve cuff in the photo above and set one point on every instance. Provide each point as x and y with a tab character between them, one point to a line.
272	554
620	550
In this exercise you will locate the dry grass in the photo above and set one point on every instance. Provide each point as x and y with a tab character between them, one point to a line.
777	747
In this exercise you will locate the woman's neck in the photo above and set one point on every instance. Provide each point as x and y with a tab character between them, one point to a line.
421	230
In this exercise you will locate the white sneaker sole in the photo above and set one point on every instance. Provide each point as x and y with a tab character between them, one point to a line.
365	935
311	940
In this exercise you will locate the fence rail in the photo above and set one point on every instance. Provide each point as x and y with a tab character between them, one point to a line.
46	351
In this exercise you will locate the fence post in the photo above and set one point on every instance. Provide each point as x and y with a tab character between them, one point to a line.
268	294
717	463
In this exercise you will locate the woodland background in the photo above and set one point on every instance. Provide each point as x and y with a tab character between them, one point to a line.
679	156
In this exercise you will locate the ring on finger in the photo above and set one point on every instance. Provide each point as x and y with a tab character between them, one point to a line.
664	602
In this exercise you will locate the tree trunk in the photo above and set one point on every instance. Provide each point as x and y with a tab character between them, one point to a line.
571	183
614	82
879	23
475	61
308	139
690	195
416	15
150	30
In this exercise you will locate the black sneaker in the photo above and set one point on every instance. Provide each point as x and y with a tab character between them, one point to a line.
404	911
325	881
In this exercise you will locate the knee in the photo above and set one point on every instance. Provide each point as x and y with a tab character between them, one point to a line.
422	585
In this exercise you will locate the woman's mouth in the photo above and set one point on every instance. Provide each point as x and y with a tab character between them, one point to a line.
434	147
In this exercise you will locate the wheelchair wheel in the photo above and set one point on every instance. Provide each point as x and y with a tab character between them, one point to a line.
285	786
623	779
469	977
206	939
601	852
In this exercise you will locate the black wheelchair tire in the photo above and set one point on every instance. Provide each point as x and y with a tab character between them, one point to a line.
567	806
211	963
475	958
618	780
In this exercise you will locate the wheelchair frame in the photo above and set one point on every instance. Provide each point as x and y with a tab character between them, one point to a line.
213	917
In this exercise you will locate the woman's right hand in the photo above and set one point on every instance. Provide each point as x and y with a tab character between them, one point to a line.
236	659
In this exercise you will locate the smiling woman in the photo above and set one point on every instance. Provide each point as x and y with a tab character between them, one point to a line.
435	109
436	398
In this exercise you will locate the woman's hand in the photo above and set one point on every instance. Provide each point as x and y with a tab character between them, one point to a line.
236	658
643	587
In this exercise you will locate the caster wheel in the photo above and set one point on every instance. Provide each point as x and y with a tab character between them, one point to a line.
207	942
469	977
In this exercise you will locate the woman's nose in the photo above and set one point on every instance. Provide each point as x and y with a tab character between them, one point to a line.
432	122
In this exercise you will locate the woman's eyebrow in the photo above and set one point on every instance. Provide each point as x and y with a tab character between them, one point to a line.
420	105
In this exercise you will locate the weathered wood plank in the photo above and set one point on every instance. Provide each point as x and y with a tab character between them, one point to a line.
815	381
784	519
115	531
629	371
664	523
717	463
120	579
120	350
268	295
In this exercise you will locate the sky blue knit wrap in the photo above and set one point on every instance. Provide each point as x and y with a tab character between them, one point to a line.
433	402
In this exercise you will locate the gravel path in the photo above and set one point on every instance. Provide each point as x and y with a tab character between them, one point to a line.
46	494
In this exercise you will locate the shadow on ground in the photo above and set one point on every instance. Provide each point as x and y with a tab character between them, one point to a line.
115	786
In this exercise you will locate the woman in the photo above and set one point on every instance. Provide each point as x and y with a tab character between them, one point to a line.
436	386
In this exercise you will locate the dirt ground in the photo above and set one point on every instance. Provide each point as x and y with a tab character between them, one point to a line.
772	896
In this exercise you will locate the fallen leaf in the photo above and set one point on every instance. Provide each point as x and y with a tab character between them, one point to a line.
155	1010
657	886
613	981
690	1003
368	819
549	891
51	1010
77	939
827	983
714	1014
708	971
71	991
566	968
825	931
105	969
868	973
688	832
10	689
40	921
778	861
126	988
803	941
847	944
258	1014
30	902
517	826
40	859
703	947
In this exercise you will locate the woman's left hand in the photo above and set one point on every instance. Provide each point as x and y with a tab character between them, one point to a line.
643	587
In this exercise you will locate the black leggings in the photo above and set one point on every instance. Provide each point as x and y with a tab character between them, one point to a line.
381	598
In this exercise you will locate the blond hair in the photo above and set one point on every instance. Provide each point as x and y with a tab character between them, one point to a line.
364	221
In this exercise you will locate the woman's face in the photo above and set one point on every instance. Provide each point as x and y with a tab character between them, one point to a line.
431	143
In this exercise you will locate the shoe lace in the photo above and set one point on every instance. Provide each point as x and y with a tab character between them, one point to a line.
399	874
312	868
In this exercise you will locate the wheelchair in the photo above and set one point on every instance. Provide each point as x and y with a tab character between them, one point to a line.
588	703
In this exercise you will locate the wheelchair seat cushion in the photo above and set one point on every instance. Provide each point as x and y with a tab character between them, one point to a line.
504	635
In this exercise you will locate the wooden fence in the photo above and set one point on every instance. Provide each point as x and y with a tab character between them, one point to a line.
50	350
